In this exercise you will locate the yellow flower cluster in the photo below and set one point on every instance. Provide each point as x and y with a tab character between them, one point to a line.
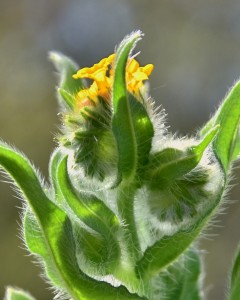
102	75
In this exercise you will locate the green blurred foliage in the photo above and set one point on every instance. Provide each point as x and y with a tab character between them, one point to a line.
194	47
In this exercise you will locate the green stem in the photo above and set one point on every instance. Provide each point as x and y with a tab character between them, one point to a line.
125	202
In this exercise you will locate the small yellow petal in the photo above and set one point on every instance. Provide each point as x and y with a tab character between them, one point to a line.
132	66
99	75
147	69
140	76
110	59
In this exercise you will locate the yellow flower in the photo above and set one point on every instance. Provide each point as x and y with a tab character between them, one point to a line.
102	75
136	74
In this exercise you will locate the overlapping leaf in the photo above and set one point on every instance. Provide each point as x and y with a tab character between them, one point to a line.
171	164
57	233
95	214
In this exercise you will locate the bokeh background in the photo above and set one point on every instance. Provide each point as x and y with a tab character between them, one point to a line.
194	46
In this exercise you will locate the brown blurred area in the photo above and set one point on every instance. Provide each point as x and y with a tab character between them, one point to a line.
194	46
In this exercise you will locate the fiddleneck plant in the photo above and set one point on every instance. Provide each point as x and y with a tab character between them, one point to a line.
126	200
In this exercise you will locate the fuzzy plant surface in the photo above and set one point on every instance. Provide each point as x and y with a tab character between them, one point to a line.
126	200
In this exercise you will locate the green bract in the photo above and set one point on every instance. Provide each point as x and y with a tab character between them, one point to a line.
126	200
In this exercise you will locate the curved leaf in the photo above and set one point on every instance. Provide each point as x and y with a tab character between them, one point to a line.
95	255
143	130
95	214
90	210
171	164
122	124
57	232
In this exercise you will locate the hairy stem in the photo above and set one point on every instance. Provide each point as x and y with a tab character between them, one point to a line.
125	203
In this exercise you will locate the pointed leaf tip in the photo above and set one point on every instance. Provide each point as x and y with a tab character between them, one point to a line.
122	121
134	37
17	294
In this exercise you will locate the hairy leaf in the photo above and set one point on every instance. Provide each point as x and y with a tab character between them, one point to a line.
95	214
90	210
226	144
36	243
57	232
171	164
143	130
122	123
169	248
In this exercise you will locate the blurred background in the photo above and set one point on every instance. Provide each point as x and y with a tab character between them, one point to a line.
194	46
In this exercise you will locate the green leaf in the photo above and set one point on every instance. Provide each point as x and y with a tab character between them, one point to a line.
57	232
143	131
17	294
36	243
68	86
89	209
181	281
122	123
166	250
94	253
234	286
171	164
95	214
226	144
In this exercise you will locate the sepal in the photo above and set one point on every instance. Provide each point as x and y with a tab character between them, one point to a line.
177	181
68	86
88	134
